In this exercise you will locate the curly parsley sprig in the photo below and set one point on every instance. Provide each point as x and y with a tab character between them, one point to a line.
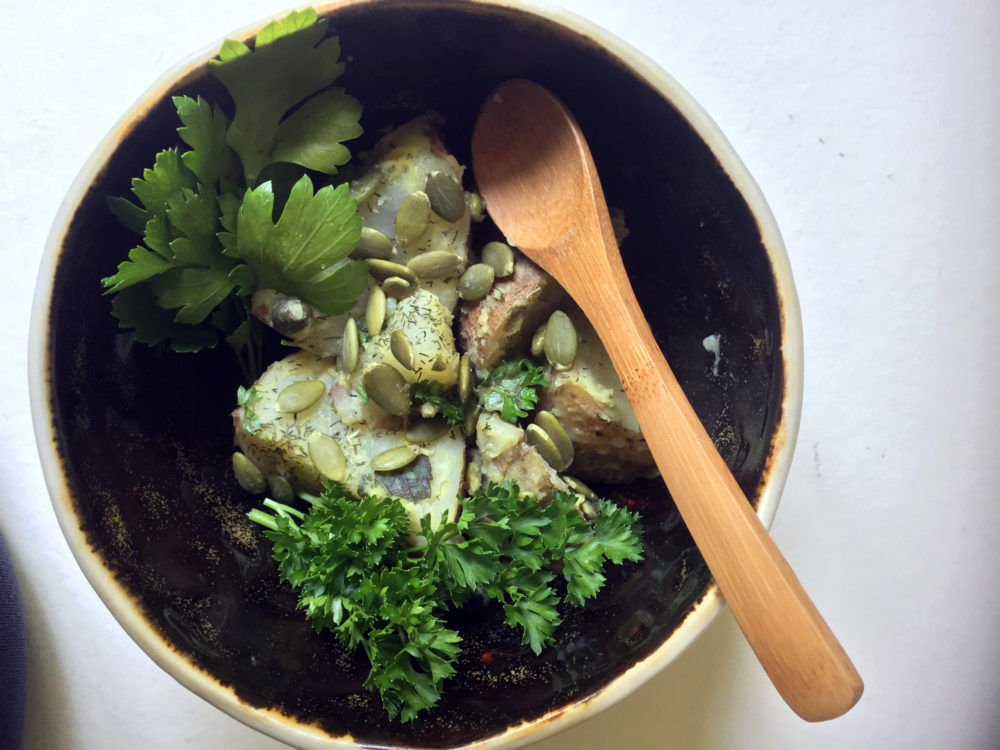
511	388
357	576
444	400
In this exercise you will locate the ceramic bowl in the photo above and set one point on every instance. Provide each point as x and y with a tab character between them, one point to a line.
135	441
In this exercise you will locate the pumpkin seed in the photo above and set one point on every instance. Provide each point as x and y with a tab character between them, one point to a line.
426	430
548	422
395	458
350	346
412	218
477	211
500	257
538	341
447	199
375	311
436	264
587	507
402	349
476	282
387	388
280	489
300	395
560	341
289	315
545	446
471	414
363	187
327	456
396	287
464	378
383	269
373	244
248	476
575	485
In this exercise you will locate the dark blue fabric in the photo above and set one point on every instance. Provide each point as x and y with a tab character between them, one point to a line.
13	656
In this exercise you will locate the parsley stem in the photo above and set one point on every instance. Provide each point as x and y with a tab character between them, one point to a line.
309	498
264	519
283	510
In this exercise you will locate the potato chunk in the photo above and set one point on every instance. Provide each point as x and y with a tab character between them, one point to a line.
399	165
501	323
589	401
426	324
278	442
502	452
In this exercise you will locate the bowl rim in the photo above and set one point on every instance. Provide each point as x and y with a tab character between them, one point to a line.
126	609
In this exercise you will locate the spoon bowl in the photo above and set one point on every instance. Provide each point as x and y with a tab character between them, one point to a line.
540	185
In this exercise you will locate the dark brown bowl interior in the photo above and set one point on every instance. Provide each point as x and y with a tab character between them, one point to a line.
145	434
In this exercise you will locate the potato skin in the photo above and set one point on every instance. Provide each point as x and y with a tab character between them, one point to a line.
501	324
502	452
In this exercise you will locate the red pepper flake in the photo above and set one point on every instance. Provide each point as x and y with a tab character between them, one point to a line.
627	501
486	657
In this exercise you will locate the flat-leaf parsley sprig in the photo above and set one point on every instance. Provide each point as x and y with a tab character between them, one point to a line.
357	575
212	232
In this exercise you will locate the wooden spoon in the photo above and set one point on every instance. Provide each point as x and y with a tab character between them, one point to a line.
537	177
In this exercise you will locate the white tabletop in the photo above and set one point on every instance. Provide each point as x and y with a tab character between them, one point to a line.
872	130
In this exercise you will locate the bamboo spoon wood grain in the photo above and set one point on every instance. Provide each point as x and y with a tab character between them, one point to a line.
540	185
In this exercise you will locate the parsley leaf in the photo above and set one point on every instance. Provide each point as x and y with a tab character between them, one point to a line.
204	130
530	602
355	576
172	287
136	309
414	653
181	265
303	253
614	529
247	398
142	264
445	401
160	183
510	388
292	64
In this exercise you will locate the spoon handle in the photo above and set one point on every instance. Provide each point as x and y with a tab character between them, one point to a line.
796	647
541	186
